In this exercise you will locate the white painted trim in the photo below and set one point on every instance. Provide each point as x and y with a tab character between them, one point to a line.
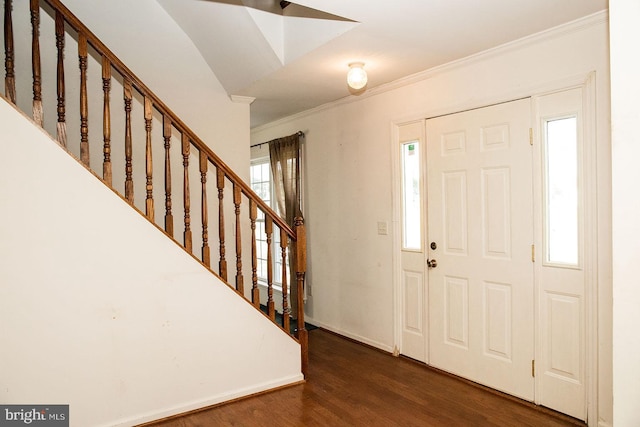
396	206
498	97
238	99
559	31
348	334
396	247
551	33
213	400
588	84
591	255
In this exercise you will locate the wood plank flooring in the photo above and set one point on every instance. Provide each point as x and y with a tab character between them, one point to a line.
350	384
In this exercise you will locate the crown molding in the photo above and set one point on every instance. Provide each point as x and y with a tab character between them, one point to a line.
577	25
238	99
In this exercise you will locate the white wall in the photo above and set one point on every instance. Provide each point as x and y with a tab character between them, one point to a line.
625	118
144	36
101	311
154	47
349	179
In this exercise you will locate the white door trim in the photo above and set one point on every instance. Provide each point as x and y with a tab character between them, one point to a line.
591	245
590	238
588	83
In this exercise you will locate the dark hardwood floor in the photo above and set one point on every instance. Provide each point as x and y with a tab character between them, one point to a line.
350	384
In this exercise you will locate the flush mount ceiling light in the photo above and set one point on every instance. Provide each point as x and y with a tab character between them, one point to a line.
357	76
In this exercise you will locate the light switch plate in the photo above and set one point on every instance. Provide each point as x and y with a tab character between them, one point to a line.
383	228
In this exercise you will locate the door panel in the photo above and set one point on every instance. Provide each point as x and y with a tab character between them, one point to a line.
496	210
413	284
479	166
497	315
560	272
455	207
456	311
414	328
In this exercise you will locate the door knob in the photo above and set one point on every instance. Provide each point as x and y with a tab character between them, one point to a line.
432	263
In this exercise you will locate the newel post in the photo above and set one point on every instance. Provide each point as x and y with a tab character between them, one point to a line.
301	269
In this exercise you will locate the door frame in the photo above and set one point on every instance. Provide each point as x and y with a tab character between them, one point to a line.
586	82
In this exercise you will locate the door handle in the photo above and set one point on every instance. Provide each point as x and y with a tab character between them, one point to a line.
432	263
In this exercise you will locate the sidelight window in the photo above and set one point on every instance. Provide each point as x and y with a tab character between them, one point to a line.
561	191
411	218
261	183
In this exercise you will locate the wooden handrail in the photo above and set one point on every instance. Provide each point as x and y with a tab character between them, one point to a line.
292	237
118	65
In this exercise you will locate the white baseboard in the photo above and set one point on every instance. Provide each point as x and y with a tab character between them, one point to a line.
351	335
203	403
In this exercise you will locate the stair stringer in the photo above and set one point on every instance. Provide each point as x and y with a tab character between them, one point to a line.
101	311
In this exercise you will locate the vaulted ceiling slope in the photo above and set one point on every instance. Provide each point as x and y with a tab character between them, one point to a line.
293	56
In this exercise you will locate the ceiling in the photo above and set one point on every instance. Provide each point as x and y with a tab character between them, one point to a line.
295	58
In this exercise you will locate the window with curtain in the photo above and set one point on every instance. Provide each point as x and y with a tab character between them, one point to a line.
261	183
285	198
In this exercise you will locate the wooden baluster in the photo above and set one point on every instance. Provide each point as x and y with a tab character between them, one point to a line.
255	292
35	62
271	307
301	269
107	171
128	147
223	262
237	198
148	116
168	216
84	109
61	126
9	58
285	289
187	198
204	163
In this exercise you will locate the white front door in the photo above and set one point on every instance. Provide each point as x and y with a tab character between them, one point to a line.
479	243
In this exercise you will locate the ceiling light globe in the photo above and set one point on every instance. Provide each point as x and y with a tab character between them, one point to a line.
357	76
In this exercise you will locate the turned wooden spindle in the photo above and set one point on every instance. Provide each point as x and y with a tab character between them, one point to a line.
34	6
292	242
285	288
237	199
107	170
206	254
84	107
166	133
9	58
253	216
148	116
187	198
268	228
128	143
301	269
61	126
222	265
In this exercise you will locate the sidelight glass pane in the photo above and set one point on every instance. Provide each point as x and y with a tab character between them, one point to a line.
562	214
260	183
411	223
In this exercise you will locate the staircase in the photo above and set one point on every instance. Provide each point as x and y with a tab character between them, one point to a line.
182	271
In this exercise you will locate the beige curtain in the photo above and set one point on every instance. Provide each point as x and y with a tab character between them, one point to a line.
284	154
